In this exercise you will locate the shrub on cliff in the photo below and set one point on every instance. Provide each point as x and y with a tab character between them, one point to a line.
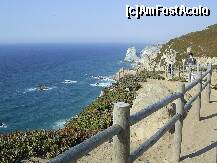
38	143
143	75
95	117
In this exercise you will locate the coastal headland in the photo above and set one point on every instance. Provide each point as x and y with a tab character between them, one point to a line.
141	86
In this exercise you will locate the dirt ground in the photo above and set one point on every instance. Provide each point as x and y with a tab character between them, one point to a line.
199	137
199	143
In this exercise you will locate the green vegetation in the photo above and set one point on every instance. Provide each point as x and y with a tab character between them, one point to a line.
203	44
98	115
214	87
19	145
176	78
95	117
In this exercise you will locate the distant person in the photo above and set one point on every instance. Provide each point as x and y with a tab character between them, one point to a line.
190	61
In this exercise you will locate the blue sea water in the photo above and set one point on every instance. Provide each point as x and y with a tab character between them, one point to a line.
68	70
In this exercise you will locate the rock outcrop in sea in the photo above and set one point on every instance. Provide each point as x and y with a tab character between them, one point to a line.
131	55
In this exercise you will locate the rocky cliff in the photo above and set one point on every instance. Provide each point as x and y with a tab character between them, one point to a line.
148	55
203	44
145	57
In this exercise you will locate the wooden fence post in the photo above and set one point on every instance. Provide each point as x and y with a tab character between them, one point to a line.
166	71
179	124
189	74
183	68
209	77
198	69
199	90
121	142
172	70
179	72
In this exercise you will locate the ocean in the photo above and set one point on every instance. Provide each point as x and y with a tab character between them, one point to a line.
67	73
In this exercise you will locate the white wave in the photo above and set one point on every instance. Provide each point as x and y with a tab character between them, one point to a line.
37	89
59	124
50	88
103	78
3	125
103	81
106	84
69	81
98	77
108	79
30	90
95	77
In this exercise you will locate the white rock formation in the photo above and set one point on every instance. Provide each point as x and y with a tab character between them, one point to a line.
148	55
150	50
168	57
205	60
189	49
131	55
147	58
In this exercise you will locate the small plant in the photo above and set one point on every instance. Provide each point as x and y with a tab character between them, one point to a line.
150	75
214	87
176	78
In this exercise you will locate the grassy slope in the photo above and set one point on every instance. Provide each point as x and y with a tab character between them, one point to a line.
203	43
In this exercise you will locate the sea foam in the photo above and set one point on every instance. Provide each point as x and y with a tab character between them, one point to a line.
103	81
36	89
30	90
69	81
59	124
101	84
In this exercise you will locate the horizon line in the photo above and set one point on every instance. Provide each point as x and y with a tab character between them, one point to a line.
41	43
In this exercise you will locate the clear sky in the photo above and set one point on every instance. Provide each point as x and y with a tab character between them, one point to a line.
76	21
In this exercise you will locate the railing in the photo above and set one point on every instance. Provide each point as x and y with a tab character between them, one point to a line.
188	70
120	130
